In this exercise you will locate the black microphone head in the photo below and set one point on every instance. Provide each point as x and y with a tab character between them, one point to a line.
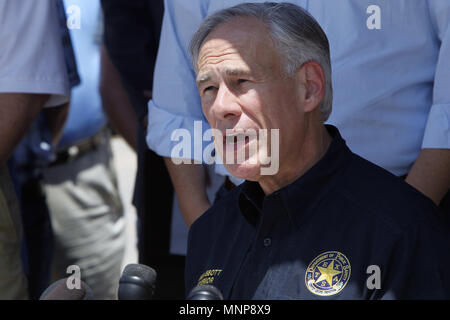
137	282
205	292
59	290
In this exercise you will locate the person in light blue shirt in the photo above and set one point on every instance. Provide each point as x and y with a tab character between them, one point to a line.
81	186
86	115
391	89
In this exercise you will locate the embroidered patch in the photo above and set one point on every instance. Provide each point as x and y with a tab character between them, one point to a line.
208	276
328	273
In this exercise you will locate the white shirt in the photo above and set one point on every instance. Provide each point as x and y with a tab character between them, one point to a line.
31	50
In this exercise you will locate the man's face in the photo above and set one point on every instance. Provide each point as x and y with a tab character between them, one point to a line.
243	89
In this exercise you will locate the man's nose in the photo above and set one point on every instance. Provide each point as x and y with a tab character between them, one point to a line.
225	105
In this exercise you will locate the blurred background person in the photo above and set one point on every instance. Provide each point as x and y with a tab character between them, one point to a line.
33	75
131	40
34	152
80	185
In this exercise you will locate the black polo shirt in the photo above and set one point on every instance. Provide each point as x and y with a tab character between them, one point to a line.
346	229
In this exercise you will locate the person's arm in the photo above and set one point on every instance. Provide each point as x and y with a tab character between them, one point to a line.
189	182
56	120
33	73
17	112
176	105
115	101
430	173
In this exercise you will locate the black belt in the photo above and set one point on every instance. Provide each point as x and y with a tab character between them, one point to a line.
77	150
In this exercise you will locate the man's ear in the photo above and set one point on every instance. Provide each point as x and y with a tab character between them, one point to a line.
312	78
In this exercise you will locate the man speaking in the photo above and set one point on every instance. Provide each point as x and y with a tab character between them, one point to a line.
313	228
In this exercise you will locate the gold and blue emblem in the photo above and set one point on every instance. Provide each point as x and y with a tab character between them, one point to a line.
328	273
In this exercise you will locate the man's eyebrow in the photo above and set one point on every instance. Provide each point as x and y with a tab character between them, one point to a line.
236	72
202	78
205	77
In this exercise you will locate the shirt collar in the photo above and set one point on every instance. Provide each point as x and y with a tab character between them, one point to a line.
303	194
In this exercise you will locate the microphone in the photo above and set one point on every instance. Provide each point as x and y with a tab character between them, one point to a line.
60	291
137	282
205	292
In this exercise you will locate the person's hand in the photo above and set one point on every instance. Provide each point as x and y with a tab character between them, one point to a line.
189	182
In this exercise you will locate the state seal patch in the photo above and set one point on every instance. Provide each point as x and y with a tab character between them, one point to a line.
328	273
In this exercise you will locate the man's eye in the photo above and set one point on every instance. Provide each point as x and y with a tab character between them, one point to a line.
240	81
209	88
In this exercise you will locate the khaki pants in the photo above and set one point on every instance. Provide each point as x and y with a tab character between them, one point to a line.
13	284
87	219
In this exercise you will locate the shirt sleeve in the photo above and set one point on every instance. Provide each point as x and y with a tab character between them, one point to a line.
31	51
417	263
176	103
437	130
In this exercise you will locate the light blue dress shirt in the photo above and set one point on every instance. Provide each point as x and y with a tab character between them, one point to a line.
391	76
86	115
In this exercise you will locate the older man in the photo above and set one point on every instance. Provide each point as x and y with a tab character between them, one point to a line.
321	224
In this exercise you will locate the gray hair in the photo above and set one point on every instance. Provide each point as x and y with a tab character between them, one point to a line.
296	34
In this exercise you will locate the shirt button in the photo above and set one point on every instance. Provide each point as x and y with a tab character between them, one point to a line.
267	242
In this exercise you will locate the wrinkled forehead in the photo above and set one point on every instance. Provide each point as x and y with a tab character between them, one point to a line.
244	38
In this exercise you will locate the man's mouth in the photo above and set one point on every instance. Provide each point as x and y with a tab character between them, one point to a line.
236	138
